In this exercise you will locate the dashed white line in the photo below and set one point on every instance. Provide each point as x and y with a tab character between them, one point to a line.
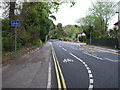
90	87
85	65
64	49
89	71
88	68
59	46
90	75
91	80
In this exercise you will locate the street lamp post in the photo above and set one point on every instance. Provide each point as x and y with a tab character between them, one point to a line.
90	31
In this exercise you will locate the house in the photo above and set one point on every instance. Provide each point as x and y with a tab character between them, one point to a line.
117	24
79	34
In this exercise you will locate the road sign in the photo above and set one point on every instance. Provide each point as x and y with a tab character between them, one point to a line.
15	23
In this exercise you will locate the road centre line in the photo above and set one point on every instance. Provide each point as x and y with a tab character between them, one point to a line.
60	71
64	49
77	58
88	69
59	46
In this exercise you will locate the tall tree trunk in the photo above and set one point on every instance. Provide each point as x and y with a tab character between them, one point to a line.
11	12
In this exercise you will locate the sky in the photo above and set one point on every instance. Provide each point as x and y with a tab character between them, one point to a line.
67	15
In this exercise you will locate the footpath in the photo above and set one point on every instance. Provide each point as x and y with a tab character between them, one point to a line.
29	71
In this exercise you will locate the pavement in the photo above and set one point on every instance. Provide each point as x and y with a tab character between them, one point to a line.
85	66
29	71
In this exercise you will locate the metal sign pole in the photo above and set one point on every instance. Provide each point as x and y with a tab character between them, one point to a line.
15	40
15	23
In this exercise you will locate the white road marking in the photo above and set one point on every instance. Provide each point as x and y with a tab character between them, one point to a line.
91	80
64	49
88	68
85	65
90	87
90	75
89	71
111	60
93	56
49	76
67	60
59	46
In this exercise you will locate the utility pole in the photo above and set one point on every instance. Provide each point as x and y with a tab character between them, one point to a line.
90	30
90	36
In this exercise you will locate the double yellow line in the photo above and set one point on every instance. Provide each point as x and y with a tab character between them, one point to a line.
60	78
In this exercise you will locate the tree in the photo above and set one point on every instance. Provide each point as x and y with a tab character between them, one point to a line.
113	33
103	11
98	17
71	30
36	22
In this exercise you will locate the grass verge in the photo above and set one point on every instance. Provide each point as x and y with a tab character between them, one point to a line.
7	57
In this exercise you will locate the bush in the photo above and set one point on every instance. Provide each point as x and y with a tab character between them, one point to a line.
39	42
19	45
82	38
65	39
8	42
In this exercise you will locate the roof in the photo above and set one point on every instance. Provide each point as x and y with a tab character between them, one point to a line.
116	23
